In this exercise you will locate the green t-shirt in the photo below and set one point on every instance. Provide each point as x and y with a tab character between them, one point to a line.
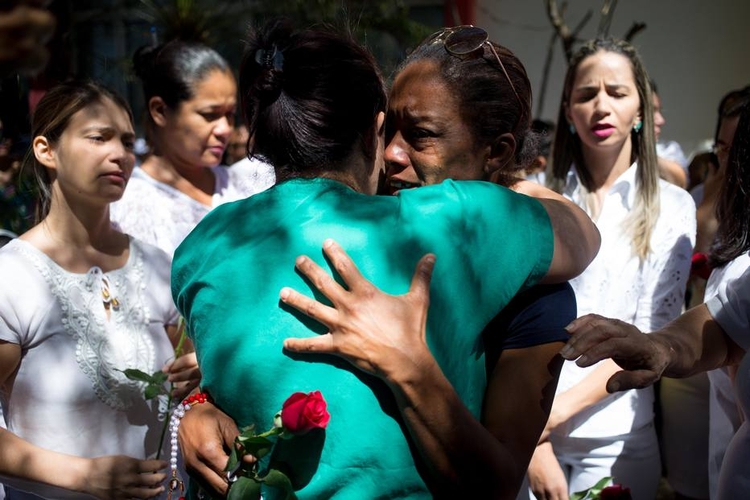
489	242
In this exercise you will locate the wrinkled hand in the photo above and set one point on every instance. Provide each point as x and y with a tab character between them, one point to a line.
206	434
594	338
546	477
24	31
184	374
381	334
121	477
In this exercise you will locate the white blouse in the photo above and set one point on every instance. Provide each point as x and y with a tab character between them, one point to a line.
731	310
724	414
69	393
618	285
161	215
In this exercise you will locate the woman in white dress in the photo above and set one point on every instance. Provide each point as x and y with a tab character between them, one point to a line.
191	100
79	303
604	158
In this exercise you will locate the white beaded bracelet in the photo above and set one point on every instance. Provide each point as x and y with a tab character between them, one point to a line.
175	483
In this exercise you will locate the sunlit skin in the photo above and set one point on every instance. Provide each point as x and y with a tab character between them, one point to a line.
426	138
604	104
94	157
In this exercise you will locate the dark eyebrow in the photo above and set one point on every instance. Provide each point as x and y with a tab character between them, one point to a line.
610	86
99	129
105	129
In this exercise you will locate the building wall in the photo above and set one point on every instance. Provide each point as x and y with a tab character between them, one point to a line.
696	51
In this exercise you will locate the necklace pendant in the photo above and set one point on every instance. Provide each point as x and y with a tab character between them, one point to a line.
107	298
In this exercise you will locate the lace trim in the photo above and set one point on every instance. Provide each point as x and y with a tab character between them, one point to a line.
104	346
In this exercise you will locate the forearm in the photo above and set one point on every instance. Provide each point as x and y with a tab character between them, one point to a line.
694	343
463	457
20	459
584	394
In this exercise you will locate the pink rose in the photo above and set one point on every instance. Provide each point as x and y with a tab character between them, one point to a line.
615	492
303	412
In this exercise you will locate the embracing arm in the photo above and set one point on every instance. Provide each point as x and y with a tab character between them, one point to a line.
103	477
519	395
206	436
577	239
384	335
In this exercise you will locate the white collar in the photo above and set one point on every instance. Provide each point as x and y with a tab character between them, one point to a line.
624	186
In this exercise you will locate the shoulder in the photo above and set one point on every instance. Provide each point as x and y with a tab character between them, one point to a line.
154	255
673	196
731	309
140	181
677	212
470	193
19	304
248	177
16	261
142	191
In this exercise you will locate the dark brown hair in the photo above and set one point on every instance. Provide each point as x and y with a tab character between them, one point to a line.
309	97
733	208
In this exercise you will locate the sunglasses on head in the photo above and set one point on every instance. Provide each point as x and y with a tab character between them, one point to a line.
462	40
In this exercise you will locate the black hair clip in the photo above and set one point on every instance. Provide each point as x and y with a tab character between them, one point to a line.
270	58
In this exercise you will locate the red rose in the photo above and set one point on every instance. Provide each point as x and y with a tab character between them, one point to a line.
303	412
615	492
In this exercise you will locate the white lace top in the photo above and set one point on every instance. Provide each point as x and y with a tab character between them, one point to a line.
617	285
69	394
159	214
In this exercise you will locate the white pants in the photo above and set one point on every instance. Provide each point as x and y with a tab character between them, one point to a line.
631	459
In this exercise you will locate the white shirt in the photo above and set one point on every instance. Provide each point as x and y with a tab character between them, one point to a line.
617	285
161	215
69	394
731	310
724	415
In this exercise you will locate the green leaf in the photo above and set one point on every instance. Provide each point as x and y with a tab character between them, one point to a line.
280	482
592	492
255	445
248	431
151	391
138	375
245	488
599	486
159	378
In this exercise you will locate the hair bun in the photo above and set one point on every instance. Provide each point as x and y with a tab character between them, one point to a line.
144	59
